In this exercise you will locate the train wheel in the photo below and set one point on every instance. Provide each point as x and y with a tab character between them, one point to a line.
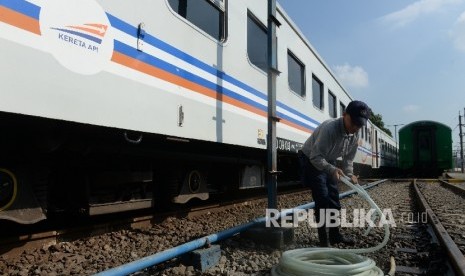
18	201
8	189
194	185
194	181
179	186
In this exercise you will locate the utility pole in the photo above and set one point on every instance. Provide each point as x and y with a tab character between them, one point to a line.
461	143
272	179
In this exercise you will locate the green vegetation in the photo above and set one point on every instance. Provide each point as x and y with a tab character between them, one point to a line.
377	120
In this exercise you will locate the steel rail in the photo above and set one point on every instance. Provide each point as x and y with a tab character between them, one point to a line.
457	189
455	255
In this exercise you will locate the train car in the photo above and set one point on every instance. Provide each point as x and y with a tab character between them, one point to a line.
425	148
363	163
384	154
110	106
386	148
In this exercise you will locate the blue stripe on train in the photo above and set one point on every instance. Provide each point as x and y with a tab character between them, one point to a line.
158	63
23	7
132	31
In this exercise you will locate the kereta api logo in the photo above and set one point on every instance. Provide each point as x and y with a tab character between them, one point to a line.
78	34
84	35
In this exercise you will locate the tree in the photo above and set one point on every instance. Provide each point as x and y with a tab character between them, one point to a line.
377	120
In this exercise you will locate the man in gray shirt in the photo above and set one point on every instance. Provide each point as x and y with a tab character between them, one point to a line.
332	139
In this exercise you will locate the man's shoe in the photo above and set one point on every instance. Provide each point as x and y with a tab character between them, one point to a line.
341	239
336	237
323	237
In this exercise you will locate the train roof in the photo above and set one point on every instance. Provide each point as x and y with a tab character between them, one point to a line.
423	122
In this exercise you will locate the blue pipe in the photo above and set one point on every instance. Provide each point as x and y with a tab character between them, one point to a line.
168	254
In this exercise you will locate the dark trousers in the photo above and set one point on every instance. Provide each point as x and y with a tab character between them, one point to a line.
324	187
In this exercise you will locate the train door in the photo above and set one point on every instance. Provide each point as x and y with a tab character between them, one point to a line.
424	155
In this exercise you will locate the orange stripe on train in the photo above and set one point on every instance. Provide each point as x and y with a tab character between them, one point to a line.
100	32
19	20
294	125
161	74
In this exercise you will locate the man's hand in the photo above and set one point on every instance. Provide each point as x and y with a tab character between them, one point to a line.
338	173
354	179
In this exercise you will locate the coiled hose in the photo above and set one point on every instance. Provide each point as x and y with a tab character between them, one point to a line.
333	261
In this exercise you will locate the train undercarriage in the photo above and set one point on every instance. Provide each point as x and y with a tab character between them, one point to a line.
53	167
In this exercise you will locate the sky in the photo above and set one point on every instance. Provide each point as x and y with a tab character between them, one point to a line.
404	58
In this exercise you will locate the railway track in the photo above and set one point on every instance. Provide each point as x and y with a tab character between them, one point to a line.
44	236
89	254
420	243
409	250
413	244
413	251
413	248
451	213
445	206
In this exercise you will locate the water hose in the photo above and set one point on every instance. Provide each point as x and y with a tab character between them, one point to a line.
333	261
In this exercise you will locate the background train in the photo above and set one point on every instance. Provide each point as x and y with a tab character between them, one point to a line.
106	109
425	148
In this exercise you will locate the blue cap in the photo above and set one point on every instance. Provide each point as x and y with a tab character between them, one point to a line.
359	112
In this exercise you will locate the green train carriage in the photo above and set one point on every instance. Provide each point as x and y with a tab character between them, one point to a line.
425	148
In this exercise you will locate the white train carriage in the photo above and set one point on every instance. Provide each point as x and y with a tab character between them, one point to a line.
386	151
364	157
107	103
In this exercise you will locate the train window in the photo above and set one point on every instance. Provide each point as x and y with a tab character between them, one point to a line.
332	104
317	90
361	132
257	48
203	14
366	131
296	74
342	108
